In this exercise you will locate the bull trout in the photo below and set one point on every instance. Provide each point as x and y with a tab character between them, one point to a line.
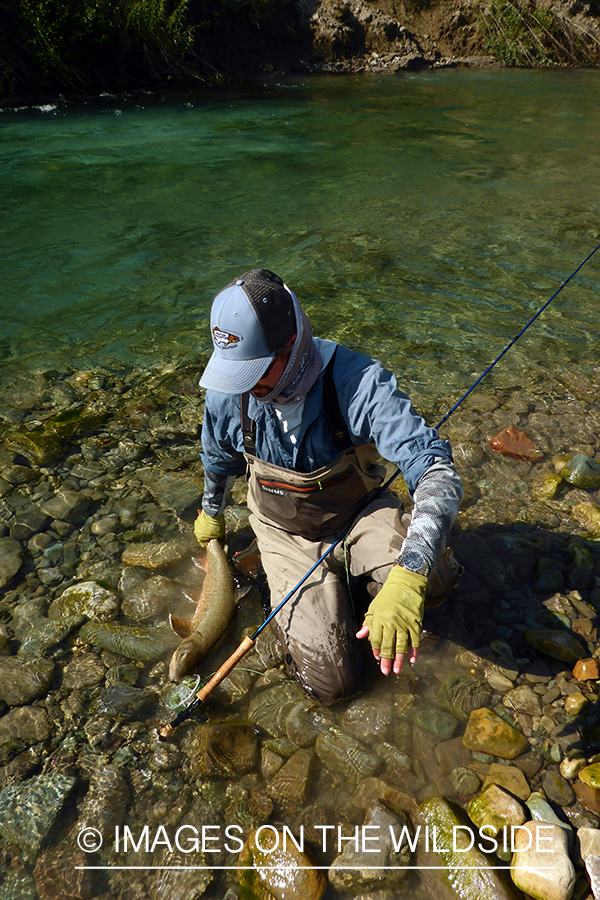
214	610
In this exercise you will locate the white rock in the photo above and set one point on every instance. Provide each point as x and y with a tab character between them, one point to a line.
540	865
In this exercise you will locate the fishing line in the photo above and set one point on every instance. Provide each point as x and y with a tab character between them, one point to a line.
249	641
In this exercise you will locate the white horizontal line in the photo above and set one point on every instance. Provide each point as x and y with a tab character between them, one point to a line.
308	868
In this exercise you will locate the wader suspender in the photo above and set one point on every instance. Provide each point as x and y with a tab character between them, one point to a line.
337	426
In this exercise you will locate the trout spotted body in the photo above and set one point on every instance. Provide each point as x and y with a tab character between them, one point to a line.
212	615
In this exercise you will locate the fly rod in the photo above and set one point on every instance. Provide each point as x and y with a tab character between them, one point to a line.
249	641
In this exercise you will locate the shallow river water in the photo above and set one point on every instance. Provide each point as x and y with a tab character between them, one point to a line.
422	218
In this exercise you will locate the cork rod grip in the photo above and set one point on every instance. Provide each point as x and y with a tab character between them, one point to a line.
223	672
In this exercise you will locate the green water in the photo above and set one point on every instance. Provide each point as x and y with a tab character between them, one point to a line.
423	218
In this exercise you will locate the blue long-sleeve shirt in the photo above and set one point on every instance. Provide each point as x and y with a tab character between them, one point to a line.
374	410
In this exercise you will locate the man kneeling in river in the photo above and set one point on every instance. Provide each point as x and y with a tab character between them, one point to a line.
308	420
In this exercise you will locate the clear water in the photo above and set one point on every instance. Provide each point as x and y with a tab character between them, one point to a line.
423	218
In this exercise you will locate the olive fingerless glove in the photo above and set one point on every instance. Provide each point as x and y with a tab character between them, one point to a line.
395	617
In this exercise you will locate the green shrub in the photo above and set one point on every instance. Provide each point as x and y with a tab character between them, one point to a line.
519	33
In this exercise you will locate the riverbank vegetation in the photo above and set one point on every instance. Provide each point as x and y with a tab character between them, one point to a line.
90	46
521	33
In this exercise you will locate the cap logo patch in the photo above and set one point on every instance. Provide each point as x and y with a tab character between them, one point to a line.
223	339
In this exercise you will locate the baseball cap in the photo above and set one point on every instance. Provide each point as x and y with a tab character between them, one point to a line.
250	320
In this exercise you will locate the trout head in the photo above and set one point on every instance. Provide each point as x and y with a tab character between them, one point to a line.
185	657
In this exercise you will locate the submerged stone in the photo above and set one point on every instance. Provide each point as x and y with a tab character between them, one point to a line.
28	810
460	693
468	873
223	750
342	753
270	708
510	778
306	721
291	783
142	644
22	681
582	471
160	555
11	559
515	443
496	810
36	446
377	864
557	644
546	485
486	732
588	516
271	865
85	599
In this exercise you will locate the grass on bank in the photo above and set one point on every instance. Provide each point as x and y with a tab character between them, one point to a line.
522	33
110	44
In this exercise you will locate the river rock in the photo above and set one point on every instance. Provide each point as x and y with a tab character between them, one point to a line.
486	732
342	753
557	789
588	516
28	810
557	644
223	750
21	727
106	801
465	781
586	670
155	597
175	490
18	885
591	775
139	643
178	879
523	699
82	672
541	811
575	703
270	708
290	785
86	599
62	872
587	796
11	559
496	810
515	443
465	874
436	721
373	862
582	472
47	634
306	721
540	865
510	778
22	681
37	447
460	693
67	506
121	701
368	716
546	485
571	766
160	555
271	867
